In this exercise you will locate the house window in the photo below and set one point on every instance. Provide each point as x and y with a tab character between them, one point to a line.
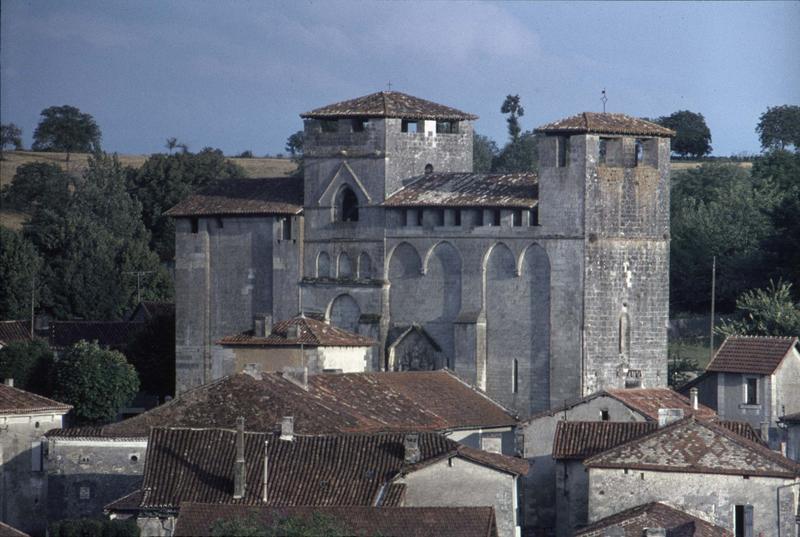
347	205
751	391
562	151
195	224
495	221
329	125
447	127
743	521
604	416
515	376
516	219
457	217
534	216
409	126
286	228
359	124
220	223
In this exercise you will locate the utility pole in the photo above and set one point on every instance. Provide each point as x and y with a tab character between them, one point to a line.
33	301
713	288
139	274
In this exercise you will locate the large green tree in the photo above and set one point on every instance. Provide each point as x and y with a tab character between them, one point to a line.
765	312
294	145
164	180
29	363
484	151
36	185
518	156
693	137
779	127
66	129
10	135
19	275
512	105
97	382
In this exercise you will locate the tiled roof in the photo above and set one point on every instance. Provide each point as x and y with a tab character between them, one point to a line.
604	123
275	195
388	104
758	355
16	401
114	334
648	400
468	190
197	519
197	465
8	531
129	502
634	521
580	440
742	428
333	403
792	418
310	332
11	331
693	446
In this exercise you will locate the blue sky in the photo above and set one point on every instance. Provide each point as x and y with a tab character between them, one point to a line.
235	75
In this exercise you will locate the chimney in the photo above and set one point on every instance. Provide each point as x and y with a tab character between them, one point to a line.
411	453
297	376
262	325
693	397
239	467
655	532
287	428
9	382
669	415
265	488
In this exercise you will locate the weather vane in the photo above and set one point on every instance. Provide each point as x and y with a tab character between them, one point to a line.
604	99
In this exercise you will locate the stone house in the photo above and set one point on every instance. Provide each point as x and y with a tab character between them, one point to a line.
197	519
791	425
754	379
538	432
654	519
300	342
390	235
88	467
24	418
284	469
704	468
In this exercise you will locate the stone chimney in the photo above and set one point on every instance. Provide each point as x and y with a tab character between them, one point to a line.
655	532
693	397
297	376
411	453
669	415
262	325
287	428
239	469
9	382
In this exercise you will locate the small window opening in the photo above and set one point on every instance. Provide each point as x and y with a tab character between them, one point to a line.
562	144
36	425
286	228
134	458
639	153
642	476
495	217
457	217
84	493
447	127
195	224
438	217
428	169
359	124
743	521
515	376
534	221
349	206
624	334
516	220
604	417
603	151
752	391
419	216
409	126
329	125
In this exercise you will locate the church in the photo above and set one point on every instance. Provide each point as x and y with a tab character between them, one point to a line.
535	287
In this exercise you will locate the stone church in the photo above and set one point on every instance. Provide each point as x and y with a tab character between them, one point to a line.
536	287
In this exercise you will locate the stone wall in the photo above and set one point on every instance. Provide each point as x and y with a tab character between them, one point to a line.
572	496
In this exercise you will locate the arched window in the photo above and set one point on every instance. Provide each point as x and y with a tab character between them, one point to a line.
345	266
364	266
347	205
624	333
323	265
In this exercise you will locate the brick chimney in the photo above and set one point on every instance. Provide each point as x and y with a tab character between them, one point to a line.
693	397
239	469
287	428
9	382
411	454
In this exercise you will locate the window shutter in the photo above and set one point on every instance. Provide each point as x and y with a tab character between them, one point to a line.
748	521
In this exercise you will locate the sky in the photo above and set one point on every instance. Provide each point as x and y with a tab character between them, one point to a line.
236	75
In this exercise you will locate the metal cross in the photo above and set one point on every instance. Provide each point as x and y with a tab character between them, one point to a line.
389	85
604	99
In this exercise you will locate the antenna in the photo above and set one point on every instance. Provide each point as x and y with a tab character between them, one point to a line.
139	274
713	286
389	85
604	98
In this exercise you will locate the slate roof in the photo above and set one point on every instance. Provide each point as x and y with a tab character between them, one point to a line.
114	334
310	332
693	446
634	521
16	401
649	400
520	190
11	331
271	195
604	123
388	104
197	519
333	403
8	531
197	465
758	355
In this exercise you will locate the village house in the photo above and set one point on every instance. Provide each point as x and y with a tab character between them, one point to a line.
654	519
284	469
88	467
704	468
24	418
754	379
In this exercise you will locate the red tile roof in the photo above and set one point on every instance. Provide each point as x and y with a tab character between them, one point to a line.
310	332
634	521
197	519
388	104
693	446
519	190
114	334
649	400
579	440
16	401
333	403
604	123
272	195
11	331
758	355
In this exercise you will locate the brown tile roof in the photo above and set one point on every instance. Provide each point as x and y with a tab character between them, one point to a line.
11	331
604	123
197	519
579	440
693	446
16	401
114	334
468	190
648	400
758	355
8	531
310	332
333	403
634	521
274	195
129	502
742	428
196	465
388	104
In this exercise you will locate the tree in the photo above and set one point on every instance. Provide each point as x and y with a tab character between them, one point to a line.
513	107
171	144
19	275
519	156
36	185
294	145
693	136
11	135
484	151
779	127
29	363
97	382
765	312
66	129
164	180
152	353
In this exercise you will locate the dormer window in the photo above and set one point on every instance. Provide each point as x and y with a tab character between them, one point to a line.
347	205
329	125
409	126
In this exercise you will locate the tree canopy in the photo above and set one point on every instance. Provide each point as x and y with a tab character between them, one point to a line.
484	151
29	363
513	107
294	145
764	312
66	129
779	127
693	137
19	273
10	135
